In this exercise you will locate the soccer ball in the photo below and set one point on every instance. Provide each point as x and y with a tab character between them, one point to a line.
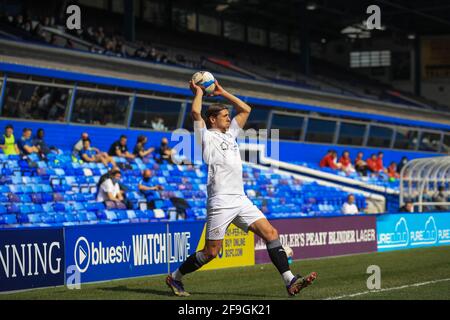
204	80
289	253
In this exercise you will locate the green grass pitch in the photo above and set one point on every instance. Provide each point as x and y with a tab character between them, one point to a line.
344	277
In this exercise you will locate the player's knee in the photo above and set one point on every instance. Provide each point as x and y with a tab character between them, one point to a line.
211	253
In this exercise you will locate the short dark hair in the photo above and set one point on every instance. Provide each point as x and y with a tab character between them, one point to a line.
141	138
114	172
26	129
213	110
123	137
9	126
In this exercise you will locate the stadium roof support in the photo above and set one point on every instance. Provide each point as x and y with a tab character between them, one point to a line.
419	176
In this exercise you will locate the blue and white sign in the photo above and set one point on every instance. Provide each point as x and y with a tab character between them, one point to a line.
412	230
31	258
104	252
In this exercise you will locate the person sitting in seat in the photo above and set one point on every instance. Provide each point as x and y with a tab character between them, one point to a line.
91	154
372	165
360	165
145	186
25	143
109	189
350	207
407	207
392	171
8	142
39	141
346	163
380	166
119	149
139	150
79	145
165	152
329	161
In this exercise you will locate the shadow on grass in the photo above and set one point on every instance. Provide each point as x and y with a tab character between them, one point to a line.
168	294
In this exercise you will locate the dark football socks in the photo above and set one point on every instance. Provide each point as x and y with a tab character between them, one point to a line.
193	262
279	259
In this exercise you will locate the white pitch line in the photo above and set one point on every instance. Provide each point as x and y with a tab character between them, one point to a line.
388	289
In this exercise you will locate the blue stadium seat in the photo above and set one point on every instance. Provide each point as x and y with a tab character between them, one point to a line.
35	218
8	219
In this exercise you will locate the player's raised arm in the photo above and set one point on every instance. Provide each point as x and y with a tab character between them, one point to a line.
243	110
196	111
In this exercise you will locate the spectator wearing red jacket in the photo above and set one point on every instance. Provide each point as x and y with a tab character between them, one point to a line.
346	162
329	161
392	171
372	163
380	167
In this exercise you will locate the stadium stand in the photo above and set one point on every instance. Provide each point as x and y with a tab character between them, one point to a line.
328	78
63	192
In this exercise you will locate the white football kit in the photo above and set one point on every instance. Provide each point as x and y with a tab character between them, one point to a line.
227	202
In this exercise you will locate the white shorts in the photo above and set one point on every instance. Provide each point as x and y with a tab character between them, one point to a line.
226	209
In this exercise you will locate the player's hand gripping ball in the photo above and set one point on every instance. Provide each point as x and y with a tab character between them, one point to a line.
204	80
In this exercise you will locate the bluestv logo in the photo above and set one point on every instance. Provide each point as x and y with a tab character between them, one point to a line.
87	254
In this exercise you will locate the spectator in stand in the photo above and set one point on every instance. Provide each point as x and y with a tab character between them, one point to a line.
372	163
8	142
39	141
346	163
79	145
25	143
165	152
139	150
146	187
407	207
329	161
401	164
120	149
141	53
109	189
158	124
350	207
91	154
392	171
360	164
440	196
380	166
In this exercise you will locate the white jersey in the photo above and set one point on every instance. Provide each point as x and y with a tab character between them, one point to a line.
221	153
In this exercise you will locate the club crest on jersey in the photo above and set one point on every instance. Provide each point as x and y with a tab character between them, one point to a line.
224	146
